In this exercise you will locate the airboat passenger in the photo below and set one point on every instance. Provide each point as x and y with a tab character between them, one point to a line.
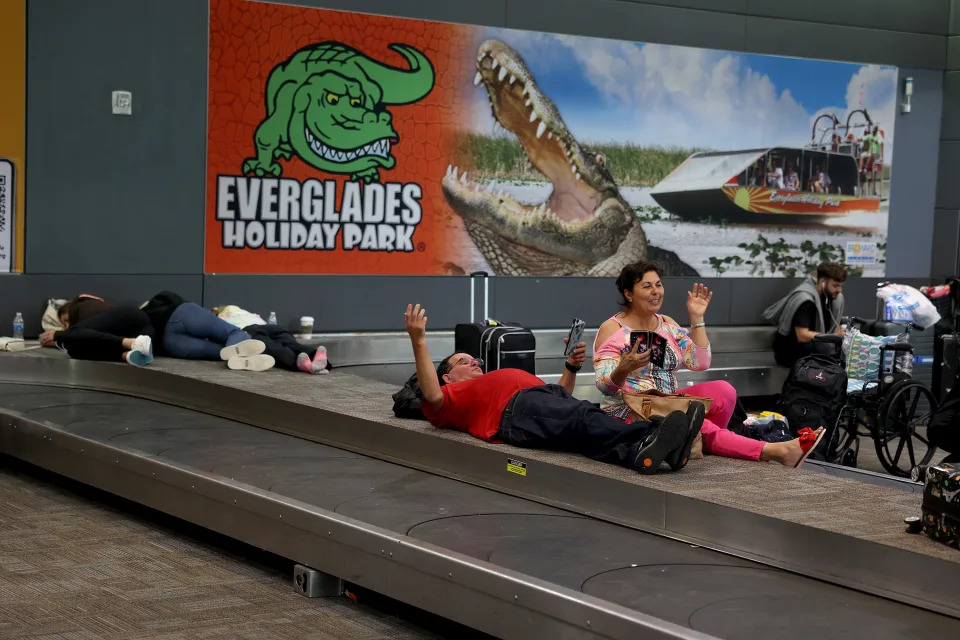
775	177
793	179
619	369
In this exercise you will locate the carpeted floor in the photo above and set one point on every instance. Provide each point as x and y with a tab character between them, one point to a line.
74	568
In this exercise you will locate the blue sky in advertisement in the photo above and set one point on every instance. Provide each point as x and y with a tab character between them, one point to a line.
670	96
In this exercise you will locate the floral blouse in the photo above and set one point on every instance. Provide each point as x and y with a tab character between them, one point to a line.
681	351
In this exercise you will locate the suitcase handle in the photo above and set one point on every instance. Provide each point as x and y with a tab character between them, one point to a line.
486	296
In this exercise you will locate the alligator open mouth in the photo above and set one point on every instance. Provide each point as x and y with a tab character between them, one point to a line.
584	220
379	148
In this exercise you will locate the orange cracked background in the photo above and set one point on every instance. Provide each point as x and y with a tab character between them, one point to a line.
247	39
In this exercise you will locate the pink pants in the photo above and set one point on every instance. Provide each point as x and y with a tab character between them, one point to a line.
717	439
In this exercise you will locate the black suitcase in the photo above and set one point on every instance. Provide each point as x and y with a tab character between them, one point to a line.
941	504
500	345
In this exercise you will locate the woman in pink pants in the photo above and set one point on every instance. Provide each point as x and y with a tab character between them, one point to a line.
619	368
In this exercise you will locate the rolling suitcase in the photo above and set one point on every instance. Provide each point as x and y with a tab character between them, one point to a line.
501	345
941	503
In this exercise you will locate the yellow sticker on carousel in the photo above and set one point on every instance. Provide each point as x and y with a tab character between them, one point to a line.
517	467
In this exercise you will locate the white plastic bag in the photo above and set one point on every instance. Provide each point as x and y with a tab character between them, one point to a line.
905	304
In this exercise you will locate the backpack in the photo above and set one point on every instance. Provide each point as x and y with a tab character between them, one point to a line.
407	401
814	393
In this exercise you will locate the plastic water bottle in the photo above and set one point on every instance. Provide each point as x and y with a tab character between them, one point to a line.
18	326
273	318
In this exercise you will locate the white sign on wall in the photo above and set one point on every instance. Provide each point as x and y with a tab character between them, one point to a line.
8	212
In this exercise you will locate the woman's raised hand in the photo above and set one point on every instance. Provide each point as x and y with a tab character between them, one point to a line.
697	301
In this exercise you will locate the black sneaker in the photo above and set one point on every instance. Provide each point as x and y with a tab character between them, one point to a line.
679	458
664	440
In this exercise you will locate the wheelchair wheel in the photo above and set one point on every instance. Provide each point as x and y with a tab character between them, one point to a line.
900	434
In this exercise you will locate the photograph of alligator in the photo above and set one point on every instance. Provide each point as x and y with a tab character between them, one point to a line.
585	227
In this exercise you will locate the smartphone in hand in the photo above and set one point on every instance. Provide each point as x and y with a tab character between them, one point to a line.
658	349
574	337
643	337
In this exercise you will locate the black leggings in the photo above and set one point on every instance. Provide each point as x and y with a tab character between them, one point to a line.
280	343
101	337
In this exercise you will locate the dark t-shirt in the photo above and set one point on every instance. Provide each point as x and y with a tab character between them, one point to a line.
787	349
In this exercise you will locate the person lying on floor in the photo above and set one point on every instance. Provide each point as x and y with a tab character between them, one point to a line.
98	330
514	407
188	331
621	369
279	343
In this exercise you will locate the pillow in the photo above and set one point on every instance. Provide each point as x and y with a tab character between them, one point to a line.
863	357
51	315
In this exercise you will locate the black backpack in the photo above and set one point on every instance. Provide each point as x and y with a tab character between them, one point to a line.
407	402
814	393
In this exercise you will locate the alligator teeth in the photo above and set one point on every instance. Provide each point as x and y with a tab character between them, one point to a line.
502	74
573	169
449	169
513	78
578	174
526	102
477	79
533	116
541	128
524	91
494	63
549	135
463	178
454	174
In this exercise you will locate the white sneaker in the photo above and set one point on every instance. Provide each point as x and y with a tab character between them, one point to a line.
259	362
245	349
143	344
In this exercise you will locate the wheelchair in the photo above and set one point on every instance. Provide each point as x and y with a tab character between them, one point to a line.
893	410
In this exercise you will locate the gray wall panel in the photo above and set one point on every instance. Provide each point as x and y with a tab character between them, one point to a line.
830	42
749	297
28	294
913	197
913	16
488	13
344	303
105	193
946	243
724	6
554	302
629	21
953	27
953	53
950	122
948	187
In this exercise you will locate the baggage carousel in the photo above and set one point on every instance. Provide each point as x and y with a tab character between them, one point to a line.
438	539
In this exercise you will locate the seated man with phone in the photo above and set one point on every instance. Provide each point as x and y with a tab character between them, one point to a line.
515	407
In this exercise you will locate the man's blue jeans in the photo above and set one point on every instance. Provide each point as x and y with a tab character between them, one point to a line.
193	333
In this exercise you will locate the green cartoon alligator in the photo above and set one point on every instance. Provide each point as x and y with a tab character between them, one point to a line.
327	104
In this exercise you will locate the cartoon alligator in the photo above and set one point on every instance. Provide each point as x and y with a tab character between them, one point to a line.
585	227
327	104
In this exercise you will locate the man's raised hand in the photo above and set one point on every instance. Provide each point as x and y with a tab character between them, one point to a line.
415	319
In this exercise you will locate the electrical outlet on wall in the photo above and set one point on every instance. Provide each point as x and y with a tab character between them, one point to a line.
122	103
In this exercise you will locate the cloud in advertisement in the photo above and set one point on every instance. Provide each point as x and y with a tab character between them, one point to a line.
654	94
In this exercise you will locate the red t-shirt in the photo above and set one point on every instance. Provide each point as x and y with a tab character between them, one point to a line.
476	405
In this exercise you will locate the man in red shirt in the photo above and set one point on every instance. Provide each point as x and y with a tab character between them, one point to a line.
514	407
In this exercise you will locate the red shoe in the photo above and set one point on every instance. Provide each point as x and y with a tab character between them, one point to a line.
809	439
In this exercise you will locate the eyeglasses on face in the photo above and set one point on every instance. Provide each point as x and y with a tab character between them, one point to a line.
468	361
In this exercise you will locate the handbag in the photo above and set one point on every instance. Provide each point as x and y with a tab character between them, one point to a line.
656	403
